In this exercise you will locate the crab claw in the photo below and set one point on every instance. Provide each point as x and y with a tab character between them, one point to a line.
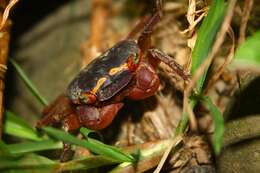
97	118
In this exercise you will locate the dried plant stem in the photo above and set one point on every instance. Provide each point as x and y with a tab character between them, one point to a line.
175	141
248	4
220	70
4	49
191	13
5	15
99	14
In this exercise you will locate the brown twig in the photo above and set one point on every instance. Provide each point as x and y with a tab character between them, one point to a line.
220	70
4	48
175	141
99	15
5	15
248	4
191	14
193	22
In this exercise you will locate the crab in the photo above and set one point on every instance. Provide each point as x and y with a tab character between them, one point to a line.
126	70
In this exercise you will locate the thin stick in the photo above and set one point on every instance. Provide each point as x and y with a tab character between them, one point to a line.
248	4
175	141
5	15
191	13
220	70
4	49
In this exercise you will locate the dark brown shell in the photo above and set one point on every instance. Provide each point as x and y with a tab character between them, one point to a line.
87	79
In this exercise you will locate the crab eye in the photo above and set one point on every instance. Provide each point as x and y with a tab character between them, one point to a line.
84	98
135	58
87	98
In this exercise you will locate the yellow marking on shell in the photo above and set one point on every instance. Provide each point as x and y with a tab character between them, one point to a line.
98	85
115	70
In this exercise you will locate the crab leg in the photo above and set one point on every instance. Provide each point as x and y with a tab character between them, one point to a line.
57	111
147	25
144	40
67	152
138	27
147	22
170	62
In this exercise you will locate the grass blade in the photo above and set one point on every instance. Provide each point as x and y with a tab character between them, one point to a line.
34	163
28	83
91	144
86	132
6	153
218	124
25	163
88	163
206	37
39	164
16	126
248	55
4	150
27	147
150	155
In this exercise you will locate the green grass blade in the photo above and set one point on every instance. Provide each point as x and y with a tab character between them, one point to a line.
91	133
182	126
86	132
6	153
218	124
28	83
88	163
149	153
206	37
4	150
91	144
35	163
248	54
39	164
25	163
27	147
110	151
16	126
